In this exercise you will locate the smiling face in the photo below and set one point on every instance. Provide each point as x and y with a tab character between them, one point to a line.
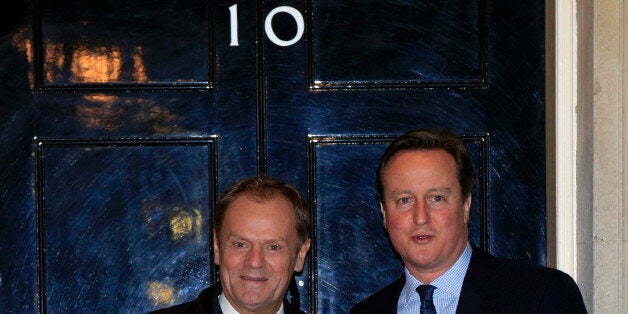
258	251
424	211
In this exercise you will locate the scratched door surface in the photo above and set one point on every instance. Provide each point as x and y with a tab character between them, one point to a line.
121	122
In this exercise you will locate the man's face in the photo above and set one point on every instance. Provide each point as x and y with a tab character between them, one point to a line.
258	252
424	211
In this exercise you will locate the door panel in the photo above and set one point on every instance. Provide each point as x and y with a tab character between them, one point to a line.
383	44
348	224
122	45
122	213
121	122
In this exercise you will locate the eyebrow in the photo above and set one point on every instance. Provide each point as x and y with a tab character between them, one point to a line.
430	190
444	189
236	236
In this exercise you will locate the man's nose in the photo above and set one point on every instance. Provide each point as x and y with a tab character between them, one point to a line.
420	214
255	257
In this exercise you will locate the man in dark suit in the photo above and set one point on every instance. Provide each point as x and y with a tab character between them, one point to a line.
424	184
261	237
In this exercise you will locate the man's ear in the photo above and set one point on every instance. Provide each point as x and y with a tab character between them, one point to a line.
216	250
298	266
383	211
467	208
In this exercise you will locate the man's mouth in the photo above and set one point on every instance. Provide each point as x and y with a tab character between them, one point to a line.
250	278
422	237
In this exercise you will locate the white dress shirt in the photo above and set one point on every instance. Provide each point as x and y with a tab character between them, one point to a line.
227	308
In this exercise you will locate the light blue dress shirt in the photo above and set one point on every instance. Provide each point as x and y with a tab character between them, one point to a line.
448	287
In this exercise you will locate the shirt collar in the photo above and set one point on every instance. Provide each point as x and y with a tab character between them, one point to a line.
450	282
227	308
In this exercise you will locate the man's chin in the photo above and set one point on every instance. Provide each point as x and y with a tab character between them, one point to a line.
254	303
253	297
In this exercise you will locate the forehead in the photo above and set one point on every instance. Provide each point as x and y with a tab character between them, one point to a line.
249	212
416	164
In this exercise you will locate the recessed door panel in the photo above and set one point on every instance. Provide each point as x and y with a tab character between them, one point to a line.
383	44
125	45
348	225
123	213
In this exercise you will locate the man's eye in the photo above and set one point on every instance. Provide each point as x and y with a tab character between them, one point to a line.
404	200
438	198
274	247
239	244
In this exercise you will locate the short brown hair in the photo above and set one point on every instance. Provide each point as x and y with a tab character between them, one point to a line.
265	188
427	139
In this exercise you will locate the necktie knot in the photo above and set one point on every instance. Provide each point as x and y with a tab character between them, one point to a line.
426	293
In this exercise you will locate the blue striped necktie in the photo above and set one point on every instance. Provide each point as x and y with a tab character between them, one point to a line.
427	304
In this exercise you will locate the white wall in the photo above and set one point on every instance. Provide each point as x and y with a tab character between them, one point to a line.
591	147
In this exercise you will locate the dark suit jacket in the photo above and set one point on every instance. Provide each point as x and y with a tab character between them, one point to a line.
207	303
494	285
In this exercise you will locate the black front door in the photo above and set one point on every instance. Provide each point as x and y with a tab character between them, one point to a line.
123	120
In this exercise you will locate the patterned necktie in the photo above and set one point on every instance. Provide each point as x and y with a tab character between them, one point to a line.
427	304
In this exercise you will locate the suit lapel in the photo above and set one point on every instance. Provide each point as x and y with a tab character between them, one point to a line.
209	299
481	285
395	293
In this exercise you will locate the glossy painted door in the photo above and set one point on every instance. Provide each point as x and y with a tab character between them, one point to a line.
123	120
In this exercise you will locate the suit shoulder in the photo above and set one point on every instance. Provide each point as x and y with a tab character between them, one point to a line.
533	272
204	303
183	308
524	270
382	301
532	287
553	288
